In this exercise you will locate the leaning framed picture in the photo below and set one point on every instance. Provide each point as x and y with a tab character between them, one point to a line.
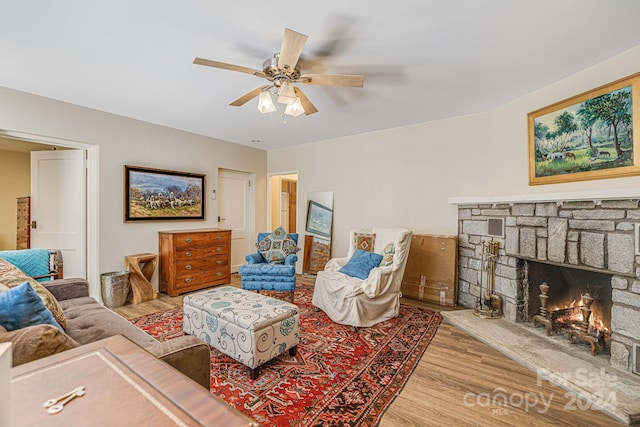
593	135
319	219
156	194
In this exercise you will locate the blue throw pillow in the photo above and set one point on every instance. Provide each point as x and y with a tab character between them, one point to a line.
361	263
21	307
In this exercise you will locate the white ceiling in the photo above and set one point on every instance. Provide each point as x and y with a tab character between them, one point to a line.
424	59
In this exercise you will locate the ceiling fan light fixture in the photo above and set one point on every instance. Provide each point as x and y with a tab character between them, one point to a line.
265	103
286	93
294	109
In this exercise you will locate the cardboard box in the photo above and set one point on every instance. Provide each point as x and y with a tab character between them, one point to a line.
431	273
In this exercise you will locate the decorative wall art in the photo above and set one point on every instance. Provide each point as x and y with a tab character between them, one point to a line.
319	219
593	135
155	194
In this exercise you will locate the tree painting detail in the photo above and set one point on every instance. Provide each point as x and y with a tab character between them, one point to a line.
593	134
156	194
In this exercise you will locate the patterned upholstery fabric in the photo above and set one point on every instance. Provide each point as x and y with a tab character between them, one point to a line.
277	246
387	255
11	276
249	327
365	242
33	262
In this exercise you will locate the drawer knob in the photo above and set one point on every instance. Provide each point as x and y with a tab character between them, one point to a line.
188	266
188	240
219	237
219	262
188	279
187	253
218	274
219	250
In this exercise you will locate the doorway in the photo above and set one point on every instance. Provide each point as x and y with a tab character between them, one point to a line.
283	202
89	244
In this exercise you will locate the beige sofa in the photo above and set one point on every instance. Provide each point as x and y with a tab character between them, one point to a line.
88	321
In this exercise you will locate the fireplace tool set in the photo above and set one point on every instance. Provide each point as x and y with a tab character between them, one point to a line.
489	305
581	333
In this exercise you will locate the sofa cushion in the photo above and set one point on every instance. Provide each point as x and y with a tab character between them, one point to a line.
277	246
364	241
21	307
12	276
35	342
361	263
89	321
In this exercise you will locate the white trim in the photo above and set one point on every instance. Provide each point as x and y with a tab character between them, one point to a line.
92	235
622	193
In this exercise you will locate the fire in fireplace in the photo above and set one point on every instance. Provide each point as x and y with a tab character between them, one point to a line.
570	301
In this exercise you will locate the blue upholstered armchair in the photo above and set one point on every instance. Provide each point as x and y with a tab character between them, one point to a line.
260	275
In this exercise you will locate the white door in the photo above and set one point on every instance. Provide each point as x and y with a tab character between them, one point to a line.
58	206
234	208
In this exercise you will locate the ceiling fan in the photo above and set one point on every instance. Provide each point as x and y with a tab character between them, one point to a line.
282	71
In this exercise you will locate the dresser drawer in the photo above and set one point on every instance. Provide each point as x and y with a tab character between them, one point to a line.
192	240
203	252
203	277
196	265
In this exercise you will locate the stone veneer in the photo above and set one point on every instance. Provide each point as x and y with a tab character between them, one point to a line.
592	234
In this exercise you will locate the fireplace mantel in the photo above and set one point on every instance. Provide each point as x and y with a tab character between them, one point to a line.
612	194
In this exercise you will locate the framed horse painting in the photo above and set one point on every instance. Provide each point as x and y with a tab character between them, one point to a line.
156	194
593	135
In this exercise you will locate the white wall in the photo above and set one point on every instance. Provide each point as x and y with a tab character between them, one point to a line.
397	177
124	141
405	176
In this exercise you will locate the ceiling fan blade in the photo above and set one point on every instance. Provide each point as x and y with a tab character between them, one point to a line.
247	97
307	106
224	66
349	80
292	44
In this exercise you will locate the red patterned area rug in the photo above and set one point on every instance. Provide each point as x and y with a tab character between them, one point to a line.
337	378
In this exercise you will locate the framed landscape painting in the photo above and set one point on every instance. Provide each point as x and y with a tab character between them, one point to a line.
593	135
155	194
319	219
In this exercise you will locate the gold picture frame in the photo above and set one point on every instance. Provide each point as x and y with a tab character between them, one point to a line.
594	135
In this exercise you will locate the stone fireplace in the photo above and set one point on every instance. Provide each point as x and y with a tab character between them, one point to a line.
575	245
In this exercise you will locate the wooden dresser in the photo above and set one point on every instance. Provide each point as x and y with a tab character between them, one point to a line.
23	232
194	259
316	254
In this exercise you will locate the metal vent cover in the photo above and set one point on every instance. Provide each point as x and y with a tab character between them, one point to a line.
495	227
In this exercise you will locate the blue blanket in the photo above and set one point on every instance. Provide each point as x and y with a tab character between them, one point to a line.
34	262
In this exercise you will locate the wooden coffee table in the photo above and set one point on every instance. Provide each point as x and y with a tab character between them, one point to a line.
125	386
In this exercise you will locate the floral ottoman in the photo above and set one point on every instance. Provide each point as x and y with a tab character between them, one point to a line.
247	326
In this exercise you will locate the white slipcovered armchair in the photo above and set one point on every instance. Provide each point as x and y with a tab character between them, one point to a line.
361	303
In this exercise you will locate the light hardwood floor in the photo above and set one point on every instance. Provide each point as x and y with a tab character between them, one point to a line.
460	381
